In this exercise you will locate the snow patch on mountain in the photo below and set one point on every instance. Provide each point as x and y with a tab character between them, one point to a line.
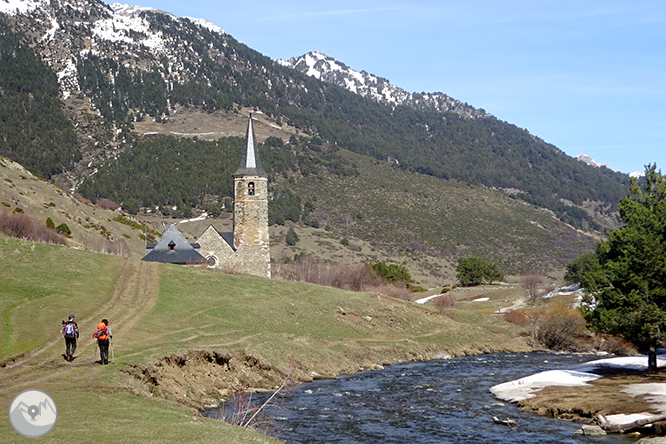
206	24
117	31
19	6
127	26
319	65
589	161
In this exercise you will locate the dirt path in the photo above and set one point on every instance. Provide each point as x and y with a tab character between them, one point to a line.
135	293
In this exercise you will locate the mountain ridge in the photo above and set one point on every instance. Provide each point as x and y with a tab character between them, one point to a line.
323	67
126	72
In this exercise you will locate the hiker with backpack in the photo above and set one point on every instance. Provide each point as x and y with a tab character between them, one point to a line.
103	336
70	331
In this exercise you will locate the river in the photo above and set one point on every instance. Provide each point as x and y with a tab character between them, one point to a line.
440	401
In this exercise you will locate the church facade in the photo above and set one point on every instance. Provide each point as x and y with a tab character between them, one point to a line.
247	248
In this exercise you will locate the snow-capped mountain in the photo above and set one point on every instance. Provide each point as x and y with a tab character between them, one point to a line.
323	67
66	31
590	161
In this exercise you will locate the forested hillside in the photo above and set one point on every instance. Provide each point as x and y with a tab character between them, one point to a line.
34	130
166	172
197	66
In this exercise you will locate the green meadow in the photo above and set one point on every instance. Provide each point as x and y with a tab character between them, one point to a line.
166	319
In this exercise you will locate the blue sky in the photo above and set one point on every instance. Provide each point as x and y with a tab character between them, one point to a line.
586	76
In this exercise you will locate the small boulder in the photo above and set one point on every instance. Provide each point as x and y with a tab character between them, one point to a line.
506	422
591	430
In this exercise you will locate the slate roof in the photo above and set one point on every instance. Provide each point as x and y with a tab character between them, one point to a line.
250	162
173	248
229	237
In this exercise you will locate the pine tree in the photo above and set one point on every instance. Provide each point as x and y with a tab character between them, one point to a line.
629	292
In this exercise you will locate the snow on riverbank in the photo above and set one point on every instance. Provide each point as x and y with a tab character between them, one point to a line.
524	388
581	374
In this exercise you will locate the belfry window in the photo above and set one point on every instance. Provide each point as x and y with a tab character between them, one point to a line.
250	189
172	246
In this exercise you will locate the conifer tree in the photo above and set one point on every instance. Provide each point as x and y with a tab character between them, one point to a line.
627	297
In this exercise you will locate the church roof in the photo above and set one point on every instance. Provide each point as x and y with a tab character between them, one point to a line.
173	248
250	162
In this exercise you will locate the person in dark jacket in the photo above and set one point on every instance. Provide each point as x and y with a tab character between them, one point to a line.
70	331
103	336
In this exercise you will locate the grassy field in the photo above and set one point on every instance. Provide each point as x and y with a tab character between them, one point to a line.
186	338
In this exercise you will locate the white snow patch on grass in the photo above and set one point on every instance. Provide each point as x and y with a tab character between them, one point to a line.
429	298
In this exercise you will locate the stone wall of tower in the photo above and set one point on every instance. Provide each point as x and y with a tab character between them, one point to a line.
251	238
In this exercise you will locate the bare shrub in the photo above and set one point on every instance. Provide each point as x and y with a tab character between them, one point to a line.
80	198
445	301
307	269
246	414
533	281
119	247
613	345
21	226
558	327
393	291
321	215
107	204
417	246
359	277
517	317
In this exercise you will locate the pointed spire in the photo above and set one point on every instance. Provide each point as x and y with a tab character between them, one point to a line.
250	162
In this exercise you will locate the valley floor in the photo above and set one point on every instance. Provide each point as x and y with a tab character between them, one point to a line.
188	338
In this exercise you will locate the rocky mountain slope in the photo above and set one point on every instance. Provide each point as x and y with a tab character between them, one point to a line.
323	67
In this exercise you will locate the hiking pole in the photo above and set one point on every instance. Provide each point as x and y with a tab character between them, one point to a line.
113	356
95	352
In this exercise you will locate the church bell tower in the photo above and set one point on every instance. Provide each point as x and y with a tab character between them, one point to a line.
251	239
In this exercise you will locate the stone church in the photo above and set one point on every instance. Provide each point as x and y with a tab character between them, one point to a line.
246	249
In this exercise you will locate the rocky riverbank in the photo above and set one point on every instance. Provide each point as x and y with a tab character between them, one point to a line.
614	393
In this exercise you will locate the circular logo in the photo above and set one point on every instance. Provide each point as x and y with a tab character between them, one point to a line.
33	413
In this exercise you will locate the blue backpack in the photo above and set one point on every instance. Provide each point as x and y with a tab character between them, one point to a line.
70	331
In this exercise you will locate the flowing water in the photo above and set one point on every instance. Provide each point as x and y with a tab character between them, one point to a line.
441	401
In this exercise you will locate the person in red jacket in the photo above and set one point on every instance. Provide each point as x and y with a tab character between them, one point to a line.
103	336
